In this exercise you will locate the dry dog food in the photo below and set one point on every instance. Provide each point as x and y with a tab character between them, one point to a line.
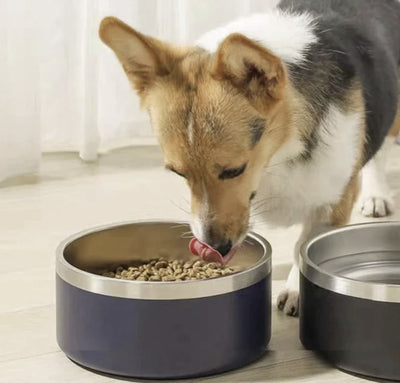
161	269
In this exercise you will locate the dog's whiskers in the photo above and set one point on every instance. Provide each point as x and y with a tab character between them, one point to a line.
178	225
261	201
187	234
259	213
278	164
179	207
283	176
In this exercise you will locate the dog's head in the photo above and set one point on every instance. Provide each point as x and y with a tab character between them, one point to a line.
219	117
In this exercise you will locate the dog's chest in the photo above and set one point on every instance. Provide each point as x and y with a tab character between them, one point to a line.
292	190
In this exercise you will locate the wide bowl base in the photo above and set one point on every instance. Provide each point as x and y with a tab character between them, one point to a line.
131	378
356	335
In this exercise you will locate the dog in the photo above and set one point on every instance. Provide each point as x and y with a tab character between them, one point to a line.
294	104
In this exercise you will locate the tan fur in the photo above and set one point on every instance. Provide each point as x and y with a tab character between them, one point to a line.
180	87
341	212
237	54
217	147
143	58
395	130
201	106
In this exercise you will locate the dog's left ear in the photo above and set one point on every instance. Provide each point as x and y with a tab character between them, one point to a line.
143	58
251	68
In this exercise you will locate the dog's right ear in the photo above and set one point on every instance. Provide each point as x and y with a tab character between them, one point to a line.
142	57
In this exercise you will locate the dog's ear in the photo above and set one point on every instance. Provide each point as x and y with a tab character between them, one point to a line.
251	68
142	57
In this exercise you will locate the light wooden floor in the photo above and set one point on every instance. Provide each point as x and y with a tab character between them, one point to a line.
37	212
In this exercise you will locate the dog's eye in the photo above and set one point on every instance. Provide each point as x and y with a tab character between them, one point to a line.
168	167
252	196
232	173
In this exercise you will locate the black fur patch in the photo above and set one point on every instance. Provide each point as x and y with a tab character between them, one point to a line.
358	41
232	173
252	73
310	143
257	129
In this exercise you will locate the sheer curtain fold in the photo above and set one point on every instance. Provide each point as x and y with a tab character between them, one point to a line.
63	90
19	102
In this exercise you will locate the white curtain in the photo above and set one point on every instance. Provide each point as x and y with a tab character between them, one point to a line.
61	89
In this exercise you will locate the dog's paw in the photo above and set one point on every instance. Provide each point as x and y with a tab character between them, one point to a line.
288	302
376	207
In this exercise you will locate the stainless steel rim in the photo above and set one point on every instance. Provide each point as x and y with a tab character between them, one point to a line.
380	292
159	290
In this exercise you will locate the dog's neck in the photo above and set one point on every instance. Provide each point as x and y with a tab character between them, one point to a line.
298	127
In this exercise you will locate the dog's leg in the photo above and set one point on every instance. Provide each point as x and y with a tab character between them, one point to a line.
320	220
375	197
288	299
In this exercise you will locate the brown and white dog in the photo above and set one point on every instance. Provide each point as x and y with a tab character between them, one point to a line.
307	92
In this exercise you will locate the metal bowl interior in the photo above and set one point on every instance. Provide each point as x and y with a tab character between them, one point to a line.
81	258
358	260
140	242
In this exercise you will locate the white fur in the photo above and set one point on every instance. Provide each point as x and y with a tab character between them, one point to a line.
294	190
198	224
190	129
375	198
286	35
288	299
303	191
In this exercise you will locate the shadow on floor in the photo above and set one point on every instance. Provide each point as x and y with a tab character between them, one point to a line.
59	166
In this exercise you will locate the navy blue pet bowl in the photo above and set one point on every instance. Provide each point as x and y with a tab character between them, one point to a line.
159	330
350	298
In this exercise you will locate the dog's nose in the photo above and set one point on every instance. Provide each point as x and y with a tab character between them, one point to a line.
223	248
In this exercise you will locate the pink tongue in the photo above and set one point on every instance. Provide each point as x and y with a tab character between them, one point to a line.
206	252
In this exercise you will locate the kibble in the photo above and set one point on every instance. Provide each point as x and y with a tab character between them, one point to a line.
161	269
